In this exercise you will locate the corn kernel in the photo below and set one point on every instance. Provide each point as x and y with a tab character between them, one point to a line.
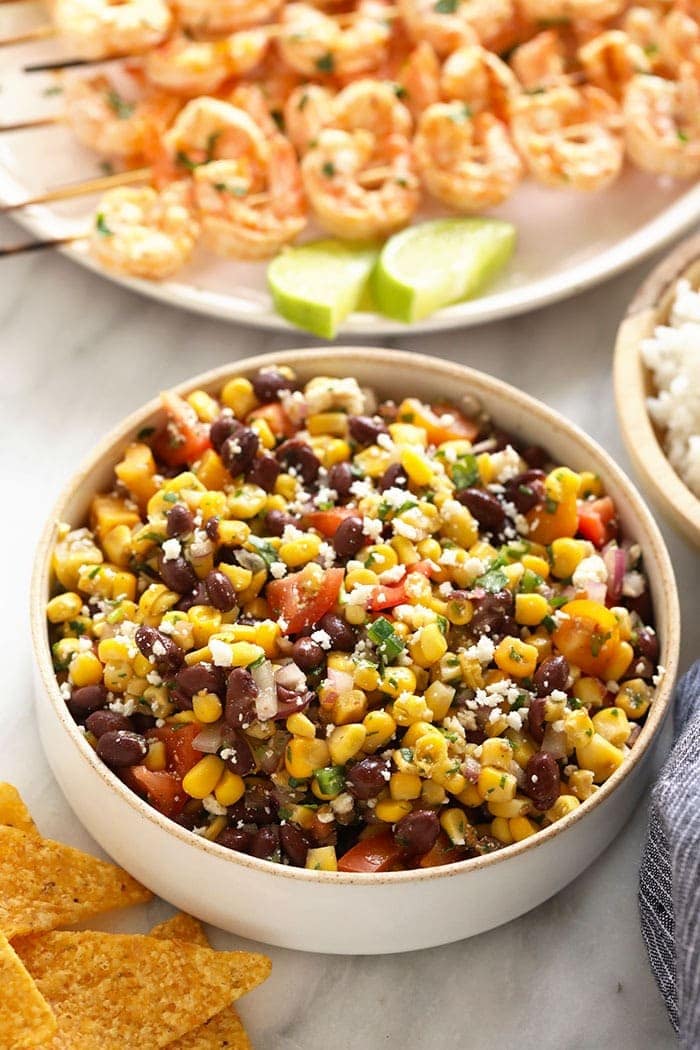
634	697
380	728
303	757
517	807
429	751
156	759
522	747
300	725
439	698
460	611
407	434
536	564
578	726
233	533
239	396
495	785
409	708
581	784
590	691
458	524
621	659
85	669
345	742
612	723
335	423
322	858
516	657
397	680
405	550
600	756
500	829
433	645
366	676
405	786
566	555
207	707
521	828
349	707
469	796
247	501
243	654
455	825
416	731
205	406
530	609
589	484
114	649
496	752
301	550
448	776
564	805
390	810
417	466
262	428
203	777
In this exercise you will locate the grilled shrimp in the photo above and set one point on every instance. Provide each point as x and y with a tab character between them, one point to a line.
449	24
680	35
190	67
468	162
314	44
332	174
596	10
208	129
248	215
662	124
252	99
371	105
419	79
112	122
143	233
308	109
224	16
480	79
541	62
101	28
611	60
567	136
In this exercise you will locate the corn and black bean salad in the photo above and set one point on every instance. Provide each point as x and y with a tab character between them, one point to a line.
351	635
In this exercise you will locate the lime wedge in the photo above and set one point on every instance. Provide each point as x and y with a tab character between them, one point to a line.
316	285
433	264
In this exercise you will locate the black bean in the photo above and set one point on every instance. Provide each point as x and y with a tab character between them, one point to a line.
197	596
201	677
268	384
536	456
295	844
264	471
167	657
120	748
290	703
417	832
365	430
485	508
348	537
266	842
220	590
276	521
179	520
298	456
307	654
340	478
222	429
525	490
553	673
258	805
493	615
367	778
238	451
177	574
641	668
241	759
535	719
340	633
647	644
393	476
241	694
239	839
212	529
101	722
86	700
542	780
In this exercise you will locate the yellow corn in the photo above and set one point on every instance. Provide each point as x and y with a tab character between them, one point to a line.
517	807
322	858
634	697
238	395
362	577
355	615
500	829
622	658
243	654
366	676
530	609
155	601
564	805
156	759
205	620
600	756
439	698
405	786
205	406
417	466
581	784
458	524
115	649
536	564
516	657
203	777
459	611
521	828
229	789
578	726
247	501
390	810
85	669
334	423
590	691
233	533
265	435
299	725
448	776
612	723
433	794
454	824
397	680
118	545
301	550
214	829
469	796
416	731
116	676
381	557
349	707
429	751
566	555
589	484
408	434
303	757
286	486
345	742
624	622
207	707
380	728
405	550
495	785
432	645
409	708
522	747
496	752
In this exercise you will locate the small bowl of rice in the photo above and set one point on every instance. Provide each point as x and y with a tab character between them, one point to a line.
657	385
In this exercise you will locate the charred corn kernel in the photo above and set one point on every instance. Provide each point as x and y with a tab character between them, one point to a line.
247	501
458	524
495	785
634	697
590	691
156	759
361	577
564	805
517	807
349	707
600	756
240	578
114	649
85	669
500	829
346	741
581	784
303	757
299	725
203	777
521	828
64	607
566	555
408	434
578	726
589	484
469	796
433	644
366	676
409	708
496	752
455	825
621	659
390	810
433	794
397	680
230	788
380	728
233	533
530	609
262	428
612	723
429	751
536	564
439	698
417	466
405	550
301	550
205	406
322	858
405	786
205	621
516	657
334	423
207	707
239	396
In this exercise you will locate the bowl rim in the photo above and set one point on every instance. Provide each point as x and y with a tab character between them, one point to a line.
633	381
417	363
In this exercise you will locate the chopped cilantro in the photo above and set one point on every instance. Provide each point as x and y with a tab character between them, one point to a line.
493	581
549	624
400	91
530	581
445	7
101	225
465	472
550	505
265	549
119	105
388	643
326	63
258	662
328	169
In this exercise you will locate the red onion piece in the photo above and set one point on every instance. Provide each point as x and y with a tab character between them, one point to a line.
615	559
291	677
266	700
554	742
210	739
597	591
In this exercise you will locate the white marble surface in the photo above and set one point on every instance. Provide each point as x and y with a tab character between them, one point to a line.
78	353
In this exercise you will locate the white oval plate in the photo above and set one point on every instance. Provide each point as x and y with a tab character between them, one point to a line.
567	241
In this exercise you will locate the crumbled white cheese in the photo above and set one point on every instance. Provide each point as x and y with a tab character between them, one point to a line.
390	576
506	464
633	584
220	653
172	549
483	650
153	678
360	489
322	638
212	806
384	441
343	804
372	527
658	677
123	707
589	570
278	569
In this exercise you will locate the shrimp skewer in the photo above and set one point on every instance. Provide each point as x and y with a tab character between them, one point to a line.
98	29
662	124
199	67
316	45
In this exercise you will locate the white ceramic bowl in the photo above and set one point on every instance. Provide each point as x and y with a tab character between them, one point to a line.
328	911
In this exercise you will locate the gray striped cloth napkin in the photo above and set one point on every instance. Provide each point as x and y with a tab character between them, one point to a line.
669	879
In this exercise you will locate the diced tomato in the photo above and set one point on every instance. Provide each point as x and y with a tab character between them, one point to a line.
443	852
595	520
588	637
289	599
178	740
327	521
184	438
388	597
163	790
276	418
375	853
441	422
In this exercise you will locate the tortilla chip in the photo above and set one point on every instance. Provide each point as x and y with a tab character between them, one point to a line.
113	991
25	1017
13	812
44	884
225	1031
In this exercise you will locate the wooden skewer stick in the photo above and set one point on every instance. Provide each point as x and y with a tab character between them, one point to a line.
27	125
38	33
80	189
37	246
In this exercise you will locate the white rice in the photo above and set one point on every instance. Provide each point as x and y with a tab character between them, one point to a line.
673	356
